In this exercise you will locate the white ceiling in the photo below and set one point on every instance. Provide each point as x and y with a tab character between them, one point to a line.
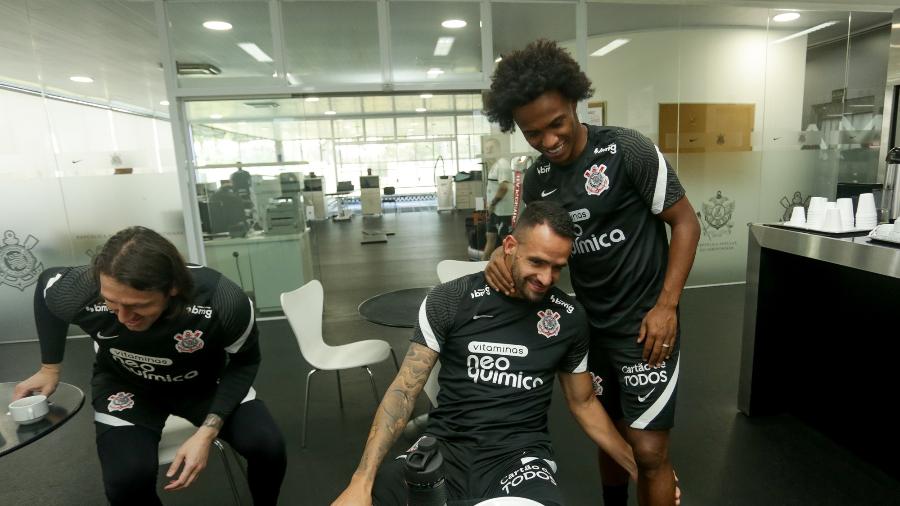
43	42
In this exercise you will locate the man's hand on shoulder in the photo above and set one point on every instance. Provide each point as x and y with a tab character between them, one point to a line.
497	273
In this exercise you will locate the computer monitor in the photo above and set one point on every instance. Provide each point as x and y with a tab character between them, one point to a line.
345	186
368	182
313	184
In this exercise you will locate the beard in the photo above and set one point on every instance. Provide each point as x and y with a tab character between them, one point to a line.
522	287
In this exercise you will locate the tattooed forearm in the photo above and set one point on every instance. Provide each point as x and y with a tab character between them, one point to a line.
213	421
396	407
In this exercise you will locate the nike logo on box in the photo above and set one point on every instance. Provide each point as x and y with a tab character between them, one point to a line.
478	316
544	193
644	397
101	336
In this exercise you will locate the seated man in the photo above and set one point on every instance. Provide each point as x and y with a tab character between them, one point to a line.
498	357
171	339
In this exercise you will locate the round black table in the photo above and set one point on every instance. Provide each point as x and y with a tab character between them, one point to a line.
399	308
64	403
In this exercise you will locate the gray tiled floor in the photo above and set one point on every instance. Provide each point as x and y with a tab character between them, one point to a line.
723	458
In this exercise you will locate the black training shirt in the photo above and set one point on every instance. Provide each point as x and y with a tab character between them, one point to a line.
214	339
613	191
499	356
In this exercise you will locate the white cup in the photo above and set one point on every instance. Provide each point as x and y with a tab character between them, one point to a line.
866	206
29	409
845	205
815	216
798	216
833	220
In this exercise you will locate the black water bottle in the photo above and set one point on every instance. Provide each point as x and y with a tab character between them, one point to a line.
425	476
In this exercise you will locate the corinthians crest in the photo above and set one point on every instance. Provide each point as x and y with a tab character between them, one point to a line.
548	325
18	265
717	216
597	181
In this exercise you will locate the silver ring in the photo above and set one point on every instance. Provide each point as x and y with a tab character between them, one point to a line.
666	346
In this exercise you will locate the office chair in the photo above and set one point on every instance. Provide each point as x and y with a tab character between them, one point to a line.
448	270
303	308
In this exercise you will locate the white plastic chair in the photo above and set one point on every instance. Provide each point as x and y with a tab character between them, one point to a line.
303	309
176	431
448	270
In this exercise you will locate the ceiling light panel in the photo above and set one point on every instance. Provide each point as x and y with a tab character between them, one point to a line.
609	48
443	46
784	17
254	51
219	26
454	24
805	32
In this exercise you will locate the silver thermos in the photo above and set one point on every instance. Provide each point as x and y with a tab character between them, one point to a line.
890	200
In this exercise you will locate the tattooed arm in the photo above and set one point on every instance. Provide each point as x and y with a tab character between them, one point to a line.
390	419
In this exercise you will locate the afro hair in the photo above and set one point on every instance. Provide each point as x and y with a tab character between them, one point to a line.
524	75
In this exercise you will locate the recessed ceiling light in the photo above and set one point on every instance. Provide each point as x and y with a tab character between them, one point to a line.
81	79
217	25
443	46
426	95
164	102
453	23
215	116
804	32
330	113
312	99
421	109
609	48
786	16
434	72
254	51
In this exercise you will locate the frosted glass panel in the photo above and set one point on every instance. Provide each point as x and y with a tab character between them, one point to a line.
97	207
34	237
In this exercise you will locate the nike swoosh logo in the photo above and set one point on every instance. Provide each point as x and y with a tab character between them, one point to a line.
101	336
545	193
644	398
478	316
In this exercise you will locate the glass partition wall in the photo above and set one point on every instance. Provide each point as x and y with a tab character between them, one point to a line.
757	109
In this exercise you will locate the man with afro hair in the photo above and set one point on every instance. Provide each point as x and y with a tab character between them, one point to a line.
621	193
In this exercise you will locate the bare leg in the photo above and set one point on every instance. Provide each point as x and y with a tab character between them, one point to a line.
656	481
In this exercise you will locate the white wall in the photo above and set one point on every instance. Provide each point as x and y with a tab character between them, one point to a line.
56	212
699	65
716	65
42	138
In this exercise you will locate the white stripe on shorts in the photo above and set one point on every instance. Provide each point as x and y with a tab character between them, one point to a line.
111	420
655	408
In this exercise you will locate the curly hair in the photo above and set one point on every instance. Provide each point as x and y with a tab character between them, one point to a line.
526	74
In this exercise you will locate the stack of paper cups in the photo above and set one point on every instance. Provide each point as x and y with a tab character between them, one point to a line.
815	217
866	215
798	218
833	219
845	206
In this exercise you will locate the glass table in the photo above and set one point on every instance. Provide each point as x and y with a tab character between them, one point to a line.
64	403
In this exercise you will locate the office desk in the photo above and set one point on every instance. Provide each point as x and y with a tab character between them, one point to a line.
64	403
267	265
